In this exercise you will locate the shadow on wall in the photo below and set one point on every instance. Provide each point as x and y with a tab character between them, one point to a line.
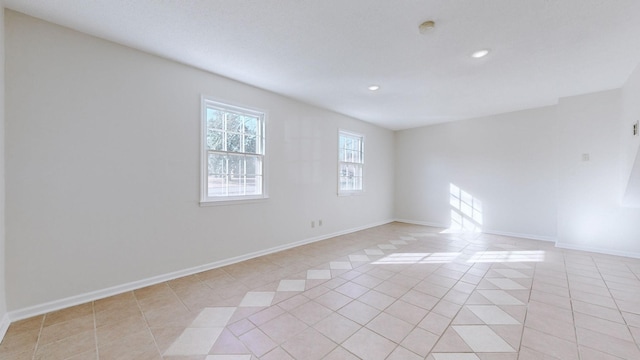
466	211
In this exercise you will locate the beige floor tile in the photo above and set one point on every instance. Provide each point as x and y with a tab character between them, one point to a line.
67	314
607	344
352	290
466	316
116	331
549	344
359	312
227	343
15	343
265	315
451	342
194	341
309	344
139	346
283	328
607	327
390	327
419	341
341	353
256	341
311	312
67	347
377	299
455	356
276	354
337	327
366	344
552	326
401	353
392	289
482	339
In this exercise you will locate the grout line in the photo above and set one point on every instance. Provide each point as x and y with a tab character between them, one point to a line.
35	350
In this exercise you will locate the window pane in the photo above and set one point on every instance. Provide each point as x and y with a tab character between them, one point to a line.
253	185
250	145
215	140
236	185
236	165
234	142
214	119
234	122
251	125
217	185
253	165
217	164
348	143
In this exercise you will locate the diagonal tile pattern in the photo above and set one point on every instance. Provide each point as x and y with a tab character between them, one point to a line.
396	291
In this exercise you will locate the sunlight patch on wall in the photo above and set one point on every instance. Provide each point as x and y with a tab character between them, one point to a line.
466	211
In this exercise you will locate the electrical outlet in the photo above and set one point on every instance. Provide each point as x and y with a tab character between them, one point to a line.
585	157
320	222
313	224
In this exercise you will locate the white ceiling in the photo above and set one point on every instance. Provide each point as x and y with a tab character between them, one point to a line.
326	52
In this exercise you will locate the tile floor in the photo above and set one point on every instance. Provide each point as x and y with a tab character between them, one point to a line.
392	292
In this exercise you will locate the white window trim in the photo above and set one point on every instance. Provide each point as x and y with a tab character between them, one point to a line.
204	164
351	192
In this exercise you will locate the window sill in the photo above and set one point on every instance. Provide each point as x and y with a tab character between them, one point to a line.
351	193
235	201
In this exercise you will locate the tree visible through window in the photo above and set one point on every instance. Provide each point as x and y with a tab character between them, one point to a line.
233	152
351	163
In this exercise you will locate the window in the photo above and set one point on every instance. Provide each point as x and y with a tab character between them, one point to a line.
233	144
351	163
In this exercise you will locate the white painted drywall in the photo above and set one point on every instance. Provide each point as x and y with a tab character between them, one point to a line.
590	215
103	167
630	114
3	304
508	162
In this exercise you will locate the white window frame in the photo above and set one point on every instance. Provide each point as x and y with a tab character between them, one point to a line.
361	164
205	199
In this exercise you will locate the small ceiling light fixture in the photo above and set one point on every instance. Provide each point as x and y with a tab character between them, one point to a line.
426	26
373	87
480	53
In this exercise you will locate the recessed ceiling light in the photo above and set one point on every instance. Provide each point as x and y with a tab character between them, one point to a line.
480	53
373	87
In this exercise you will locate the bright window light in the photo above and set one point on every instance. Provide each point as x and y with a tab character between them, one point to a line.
507	256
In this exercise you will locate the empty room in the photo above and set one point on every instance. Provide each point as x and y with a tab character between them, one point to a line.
297	179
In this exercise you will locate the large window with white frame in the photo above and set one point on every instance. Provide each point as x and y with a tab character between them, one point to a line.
233	152
350	163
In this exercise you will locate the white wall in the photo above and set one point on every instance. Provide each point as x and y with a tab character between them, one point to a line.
4	321
507	162
590	215
630	175
103	167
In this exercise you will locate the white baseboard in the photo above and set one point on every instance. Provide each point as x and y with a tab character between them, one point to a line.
522	236
425	223
493	232
103	293
597	250
4	325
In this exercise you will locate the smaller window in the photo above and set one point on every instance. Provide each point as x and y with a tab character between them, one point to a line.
350	163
